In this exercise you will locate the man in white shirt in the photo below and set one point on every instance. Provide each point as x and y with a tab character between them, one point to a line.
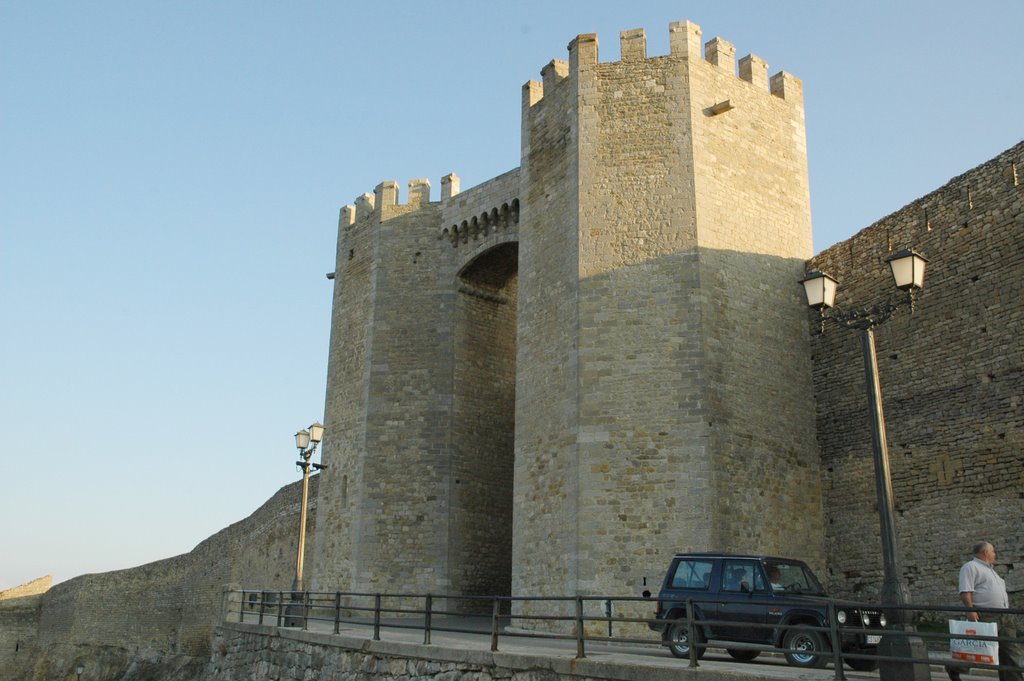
982	587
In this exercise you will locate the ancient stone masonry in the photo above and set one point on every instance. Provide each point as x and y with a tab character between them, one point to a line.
160	615
953	382
548	383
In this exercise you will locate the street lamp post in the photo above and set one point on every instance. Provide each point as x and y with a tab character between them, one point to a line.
908	272
79	670
306	441
303	438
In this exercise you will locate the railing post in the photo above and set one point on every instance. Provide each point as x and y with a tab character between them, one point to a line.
426	620
580	652
305	610
263	604
835	641
280	609
495	611
376	617
691	632
608	614
337	611
241	607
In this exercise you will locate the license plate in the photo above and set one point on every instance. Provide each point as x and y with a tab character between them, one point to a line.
872	639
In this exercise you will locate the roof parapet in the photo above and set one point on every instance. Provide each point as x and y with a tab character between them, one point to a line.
449	186
555	71
386	193
419	191
364	205
721	53
754	70
633	45
533	92
787	86
582	51
347	216
684	39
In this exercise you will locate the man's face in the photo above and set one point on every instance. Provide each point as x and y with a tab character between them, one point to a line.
988	554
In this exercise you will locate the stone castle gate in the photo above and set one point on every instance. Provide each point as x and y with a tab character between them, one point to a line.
548	383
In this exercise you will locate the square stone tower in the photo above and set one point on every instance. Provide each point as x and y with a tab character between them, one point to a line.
663	382
551	382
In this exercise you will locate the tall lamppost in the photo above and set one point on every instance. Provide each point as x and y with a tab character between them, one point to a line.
79	670
303	438
908	272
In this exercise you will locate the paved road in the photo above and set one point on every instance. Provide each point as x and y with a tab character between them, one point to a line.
475	637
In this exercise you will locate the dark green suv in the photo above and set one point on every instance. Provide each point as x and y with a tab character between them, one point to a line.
731	592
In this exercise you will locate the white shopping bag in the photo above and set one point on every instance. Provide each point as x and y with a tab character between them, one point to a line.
972	649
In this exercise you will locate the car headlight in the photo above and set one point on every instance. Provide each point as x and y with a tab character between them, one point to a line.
866	619
841	616
882	621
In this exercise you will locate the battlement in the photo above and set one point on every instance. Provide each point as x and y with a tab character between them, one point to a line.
684	43
386	194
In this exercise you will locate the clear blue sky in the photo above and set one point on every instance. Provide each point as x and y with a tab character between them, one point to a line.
171	174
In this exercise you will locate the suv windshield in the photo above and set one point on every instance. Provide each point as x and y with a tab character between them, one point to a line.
792	576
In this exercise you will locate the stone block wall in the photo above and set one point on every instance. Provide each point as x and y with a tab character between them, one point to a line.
420	392
952	377
664	386
19	621
165	610
545	484
604	289
754	234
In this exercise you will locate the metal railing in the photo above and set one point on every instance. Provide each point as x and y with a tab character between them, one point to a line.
583	619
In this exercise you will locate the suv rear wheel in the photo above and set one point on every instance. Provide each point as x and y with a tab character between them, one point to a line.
678	638
806	648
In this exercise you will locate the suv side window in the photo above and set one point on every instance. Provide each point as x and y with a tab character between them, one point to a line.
741	576
692	574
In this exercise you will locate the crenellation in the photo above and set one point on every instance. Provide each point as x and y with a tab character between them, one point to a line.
754	70
555	72
449	186
346	216
419	192
583	51
685	40
633	44
787	86
365	205
533	92
721	53
386	194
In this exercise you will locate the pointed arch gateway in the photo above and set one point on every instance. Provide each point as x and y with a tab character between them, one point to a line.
480	544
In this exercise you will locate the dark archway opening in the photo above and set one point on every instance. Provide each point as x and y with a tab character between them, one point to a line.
480	544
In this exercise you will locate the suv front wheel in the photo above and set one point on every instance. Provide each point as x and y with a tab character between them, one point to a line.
806	648
678	638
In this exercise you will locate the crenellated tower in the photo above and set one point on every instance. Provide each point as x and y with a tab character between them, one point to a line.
663	382
548	383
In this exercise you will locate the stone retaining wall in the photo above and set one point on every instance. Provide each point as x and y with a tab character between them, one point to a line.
246	652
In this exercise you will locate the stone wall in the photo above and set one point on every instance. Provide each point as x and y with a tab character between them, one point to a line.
245	652
549	383
165	611
952	376
19	620
545	493
663	381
